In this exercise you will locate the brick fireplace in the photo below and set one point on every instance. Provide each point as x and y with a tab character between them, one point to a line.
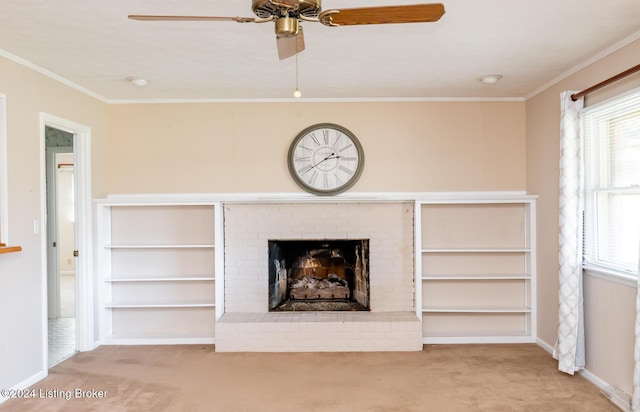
249	325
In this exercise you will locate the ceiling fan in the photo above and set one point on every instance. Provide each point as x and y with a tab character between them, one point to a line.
287	15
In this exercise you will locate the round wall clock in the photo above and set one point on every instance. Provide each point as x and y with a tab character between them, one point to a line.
325	159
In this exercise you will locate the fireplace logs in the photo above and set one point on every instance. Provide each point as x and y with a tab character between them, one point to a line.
311	288
319	275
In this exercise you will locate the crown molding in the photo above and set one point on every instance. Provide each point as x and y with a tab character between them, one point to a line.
320	100
30	65
51	75
598	56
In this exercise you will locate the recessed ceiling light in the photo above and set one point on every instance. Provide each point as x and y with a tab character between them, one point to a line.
137	81
490	78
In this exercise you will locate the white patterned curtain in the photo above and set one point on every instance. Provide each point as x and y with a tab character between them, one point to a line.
569	349
636	353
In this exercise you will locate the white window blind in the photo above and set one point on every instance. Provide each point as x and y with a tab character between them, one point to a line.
611	134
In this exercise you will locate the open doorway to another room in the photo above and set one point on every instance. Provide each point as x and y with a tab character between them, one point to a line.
61	274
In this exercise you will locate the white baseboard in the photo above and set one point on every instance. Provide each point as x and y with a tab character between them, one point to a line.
96	344
32	380
594	379
619	398
544	345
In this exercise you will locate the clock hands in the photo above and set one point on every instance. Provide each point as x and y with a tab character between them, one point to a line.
331	156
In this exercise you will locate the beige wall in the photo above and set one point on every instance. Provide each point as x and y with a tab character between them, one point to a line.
242	147
434	146
609	328
21	282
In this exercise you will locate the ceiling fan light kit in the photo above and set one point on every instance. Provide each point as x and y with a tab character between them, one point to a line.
287	27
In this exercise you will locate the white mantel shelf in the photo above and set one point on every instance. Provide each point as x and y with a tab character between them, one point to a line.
299	197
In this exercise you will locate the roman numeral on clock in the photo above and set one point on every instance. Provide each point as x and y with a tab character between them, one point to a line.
344	169
314	176
304	170
325	136
346	147
315	139
338	136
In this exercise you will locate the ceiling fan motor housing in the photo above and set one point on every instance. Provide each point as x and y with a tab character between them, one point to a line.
287	27
287	8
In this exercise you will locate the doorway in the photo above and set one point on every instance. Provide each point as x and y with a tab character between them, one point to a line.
61	277
72	295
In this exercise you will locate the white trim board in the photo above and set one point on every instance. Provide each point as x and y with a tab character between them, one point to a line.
591	377
300	197
593	59
83	238
4	167
322	100
26	63
31	380
598	56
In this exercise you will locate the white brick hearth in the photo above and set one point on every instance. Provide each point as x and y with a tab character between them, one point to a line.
247	325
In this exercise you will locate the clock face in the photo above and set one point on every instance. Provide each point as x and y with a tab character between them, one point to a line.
326	159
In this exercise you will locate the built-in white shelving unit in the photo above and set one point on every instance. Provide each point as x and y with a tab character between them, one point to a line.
161	265
475	269
158	262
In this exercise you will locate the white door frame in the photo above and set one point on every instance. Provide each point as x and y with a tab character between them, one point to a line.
53	285
83	232
4	185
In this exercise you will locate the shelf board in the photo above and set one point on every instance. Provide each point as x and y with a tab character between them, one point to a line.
162	304
185	279
476	309
9	249
506	337
484	334
156	339
476	250
155	246
477	277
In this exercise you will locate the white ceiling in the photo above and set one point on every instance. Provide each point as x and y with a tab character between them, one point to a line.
92	43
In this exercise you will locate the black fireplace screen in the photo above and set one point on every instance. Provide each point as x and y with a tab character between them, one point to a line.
319	275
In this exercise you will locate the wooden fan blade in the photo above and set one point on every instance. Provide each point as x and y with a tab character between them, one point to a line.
191	18
290	46
418	13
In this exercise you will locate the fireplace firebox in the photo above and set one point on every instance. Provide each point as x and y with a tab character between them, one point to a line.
319	275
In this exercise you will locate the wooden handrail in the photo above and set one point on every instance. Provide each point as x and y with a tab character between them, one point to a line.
8	249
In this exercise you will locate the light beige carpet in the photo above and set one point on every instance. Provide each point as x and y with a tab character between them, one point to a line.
444	378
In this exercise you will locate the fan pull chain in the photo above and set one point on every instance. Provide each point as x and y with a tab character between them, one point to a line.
297	93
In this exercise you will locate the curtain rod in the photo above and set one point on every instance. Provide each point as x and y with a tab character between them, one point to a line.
607	82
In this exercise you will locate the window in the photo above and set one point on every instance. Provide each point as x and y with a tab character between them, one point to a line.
612	184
